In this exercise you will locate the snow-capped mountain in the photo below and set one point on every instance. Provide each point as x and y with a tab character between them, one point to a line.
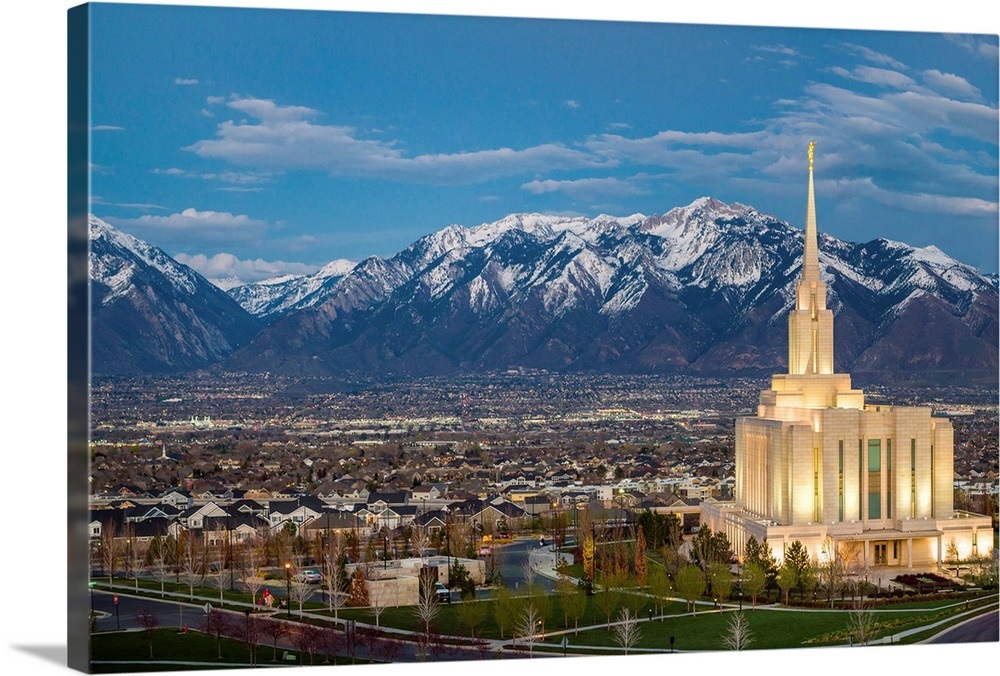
278	295
151	314
703	288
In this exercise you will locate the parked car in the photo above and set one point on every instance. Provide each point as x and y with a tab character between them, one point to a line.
309	576
443	595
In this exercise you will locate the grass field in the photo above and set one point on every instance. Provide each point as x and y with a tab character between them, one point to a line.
171	645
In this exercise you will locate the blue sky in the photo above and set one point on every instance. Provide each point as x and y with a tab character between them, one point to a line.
256	142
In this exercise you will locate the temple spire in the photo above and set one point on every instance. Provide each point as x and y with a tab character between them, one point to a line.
810	258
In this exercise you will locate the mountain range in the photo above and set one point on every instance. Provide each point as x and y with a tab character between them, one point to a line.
701	289
151	314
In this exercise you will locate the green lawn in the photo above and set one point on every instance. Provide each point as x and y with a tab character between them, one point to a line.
771	628
169	644
447	620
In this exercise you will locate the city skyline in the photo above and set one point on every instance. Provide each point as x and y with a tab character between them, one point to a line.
282	154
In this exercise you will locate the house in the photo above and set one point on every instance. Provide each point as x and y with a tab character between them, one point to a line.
296	511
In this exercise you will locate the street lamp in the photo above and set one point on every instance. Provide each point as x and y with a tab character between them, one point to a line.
385	551
288	589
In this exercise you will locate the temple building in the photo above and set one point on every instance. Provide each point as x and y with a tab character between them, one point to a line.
820	466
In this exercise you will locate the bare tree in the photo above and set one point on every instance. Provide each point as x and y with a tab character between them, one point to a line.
301	592
427	607
333	573
275	630
862	623
528	624
159	562
132	553
378	598
831	568
190	560
217	623
738	635
109	550
250	561
626	631
149	623
419	542
217	573
528	570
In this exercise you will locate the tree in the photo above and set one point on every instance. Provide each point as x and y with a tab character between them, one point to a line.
708	547
218	576
787	578
190	560
250	560
760	552
217	622
627	631
754	581
301	592
427	607
951	553
690	585
862	623
539	599
738	635
660	588
471	613
588	557
608	598
333	572
505	608
564	588
831	568
275	630
109	550
527	625
640	557
722	582
574	605
358	595
798	556
458	576
158	556
149	623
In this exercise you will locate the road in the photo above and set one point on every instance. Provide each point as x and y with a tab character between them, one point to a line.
981	629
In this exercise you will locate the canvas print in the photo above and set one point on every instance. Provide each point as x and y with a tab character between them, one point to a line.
403	338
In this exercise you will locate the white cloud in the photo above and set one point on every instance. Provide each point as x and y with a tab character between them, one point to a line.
878	76
192	225
949	84
285	137
570	103
875	57
777	49
227	271
976	46
233	177
585	187
185	81
106	127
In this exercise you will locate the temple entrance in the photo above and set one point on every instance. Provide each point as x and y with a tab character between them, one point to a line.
881	554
